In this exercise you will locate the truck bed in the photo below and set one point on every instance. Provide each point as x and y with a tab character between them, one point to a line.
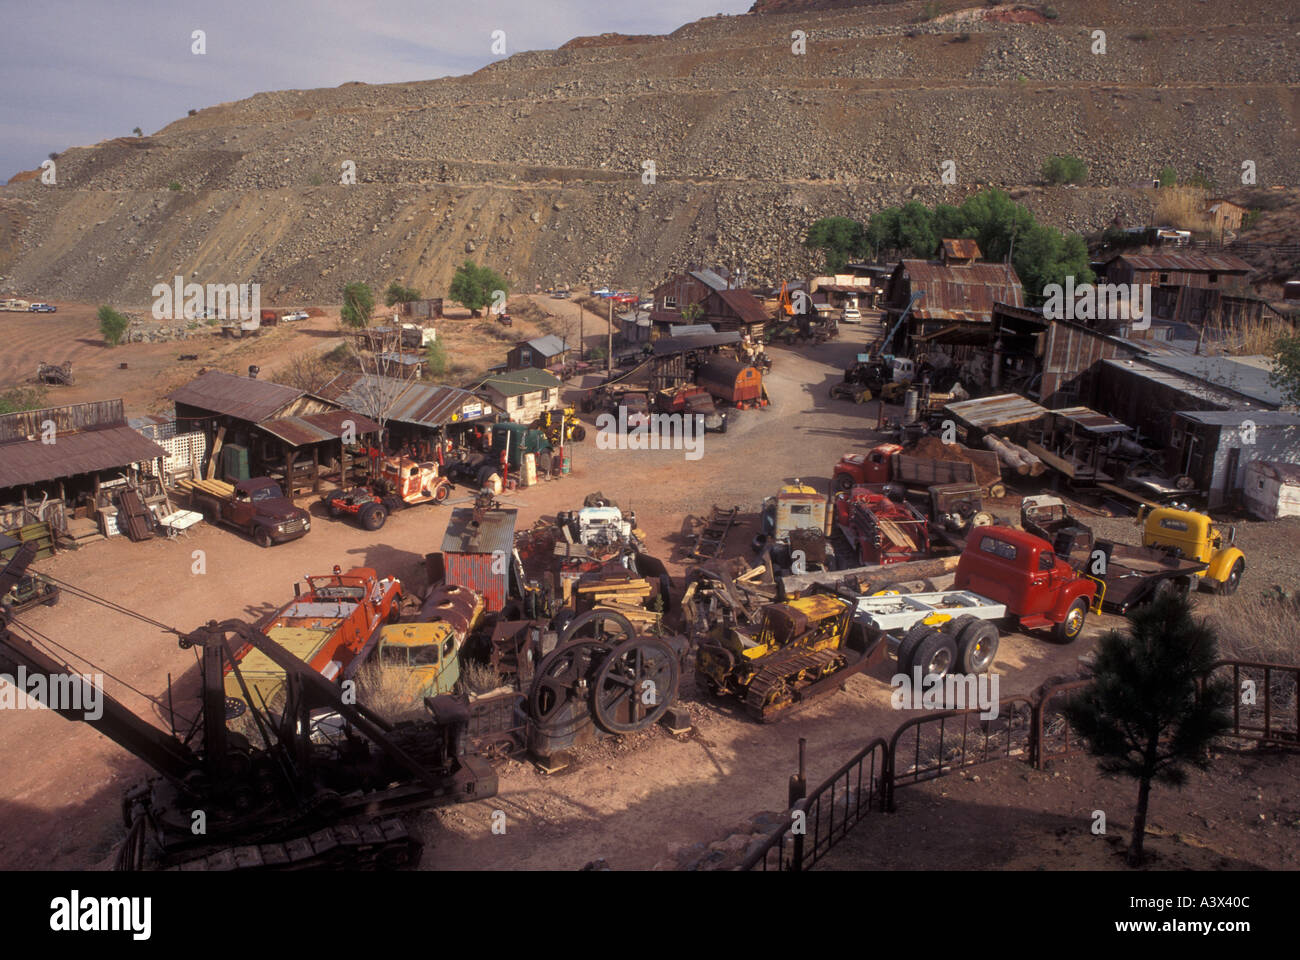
1133	574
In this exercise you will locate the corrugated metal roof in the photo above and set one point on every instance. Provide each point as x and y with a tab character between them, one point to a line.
300	431
548	346
527	380
1247	376
1168	378
961	291
962	249
669	345
1000	411
421	404
690	329
32	461
745	304
709	279
238	397
495	533
1234	418
1091	420
1194	262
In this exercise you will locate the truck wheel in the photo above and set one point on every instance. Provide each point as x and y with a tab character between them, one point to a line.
907	646
936	654
372	516
977	645
579	433
262	537
1229	586
843	481
442	493
1068	630
334	509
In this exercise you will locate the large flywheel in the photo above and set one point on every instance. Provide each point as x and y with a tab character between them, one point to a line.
635	685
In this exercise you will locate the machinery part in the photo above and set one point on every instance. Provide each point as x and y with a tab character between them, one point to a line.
592	625
907	646
982	519
977	645
785	678
1233	581
1068	630
997	490
383	845
563	678
936	654
372	516
843	481
635	686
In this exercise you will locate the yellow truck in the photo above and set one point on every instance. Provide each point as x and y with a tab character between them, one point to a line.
428	648
1186	533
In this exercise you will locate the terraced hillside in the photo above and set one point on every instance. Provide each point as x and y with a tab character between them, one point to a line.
536	163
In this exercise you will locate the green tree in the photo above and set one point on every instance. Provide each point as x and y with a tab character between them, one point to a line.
138	132
949	222
358	303
1064	169
1044	256
112	325
1168	177
916	230
839	239
1146	714
1285	375
692	312
435	357
993	219
396	293
474	287
882	230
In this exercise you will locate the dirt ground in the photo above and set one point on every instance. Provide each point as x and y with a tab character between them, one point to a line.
627	801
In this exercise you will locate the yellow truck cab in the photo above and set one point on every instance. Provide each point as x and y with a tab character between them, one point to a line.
428	652
1187	533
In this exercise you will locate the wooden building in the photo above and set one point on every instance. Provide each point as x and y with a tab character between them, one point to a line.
522	395
542	353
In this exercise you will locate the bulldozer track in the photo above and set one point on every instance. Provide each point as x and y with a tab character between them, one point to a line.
798	670
366	846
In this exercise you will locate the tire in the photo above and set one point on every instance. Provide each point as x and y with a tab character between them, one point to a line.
262	537
936	655
579	433
442	493
1229	586
1068	630
977	645
997	491
334	510
843	481
395	611
372	516
908	645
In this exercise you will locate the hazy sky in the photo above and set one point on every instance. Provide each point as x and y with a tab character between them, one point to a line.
75	73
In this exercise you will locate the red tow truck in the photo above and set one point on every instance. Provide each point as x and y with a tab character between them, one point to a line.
880	529
332	625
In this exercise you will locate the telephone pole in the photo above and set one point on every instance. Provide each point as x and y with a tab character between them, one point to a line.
609	344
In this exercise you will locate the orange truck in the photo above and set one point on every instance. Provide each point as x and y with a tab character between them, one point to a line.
332	625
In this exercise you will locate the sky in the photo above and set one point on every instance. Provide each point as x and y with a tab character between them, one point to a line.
75	73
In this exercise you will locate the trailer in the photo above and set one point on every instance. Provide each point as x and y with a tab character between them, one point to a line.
879	529
939	632
1128	577
731	381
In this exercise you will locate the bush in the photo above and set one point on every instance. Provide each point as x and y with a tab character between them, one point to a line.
435	356
358	302
1050	13
112	325
1183	208
193	112
1168	177
396	293
473	286
19	399
174	185
1142	36
1064	169
929	12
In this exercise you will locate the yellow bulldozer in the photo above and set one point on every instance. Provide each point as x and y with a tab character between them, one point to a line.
798	651
561	426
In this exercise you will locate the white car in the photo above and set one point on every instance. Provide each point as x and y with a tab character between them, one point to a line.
300	315
851	315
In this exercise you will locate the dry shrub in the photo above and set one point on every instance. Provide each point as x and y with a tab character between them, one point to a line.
309	371
1253	627
478	676
382	688
1249	338
1182	208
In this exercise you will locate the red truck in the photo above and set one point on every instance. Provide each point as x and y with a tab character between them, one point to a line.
1040	589
887	463
332	625
880	529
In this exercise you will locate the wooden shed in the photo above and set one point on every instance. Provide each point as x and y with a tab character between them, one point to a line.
731	381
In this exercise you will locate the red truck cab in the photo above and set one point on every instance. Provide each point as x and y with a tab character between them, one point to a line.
1021	570
874	466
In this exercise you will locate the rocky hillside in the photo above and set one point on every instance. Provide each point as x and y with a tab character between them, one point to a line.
535	164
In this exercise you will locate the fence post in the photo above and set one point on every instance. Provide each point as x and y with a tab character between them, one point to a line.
798	787
796	853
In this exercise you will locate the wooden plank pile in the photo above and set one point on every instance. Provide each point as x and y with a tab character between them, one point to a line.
626	595
216	488
727	590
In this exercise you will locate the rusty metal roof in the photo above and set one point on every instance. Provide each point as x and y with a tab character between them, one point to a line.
961	291
670	345
421	404
495	533
961	249
1091	420
31	461
300	431
1000	411
1193	262
745	305
239	397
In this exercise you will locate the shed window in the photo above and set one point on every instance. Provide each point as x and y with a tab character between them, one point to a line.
525	356
670	303
1164	278
1214	278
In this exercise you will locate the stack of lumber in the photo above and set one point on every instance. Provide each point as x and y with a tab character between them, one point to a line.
216	488
627	595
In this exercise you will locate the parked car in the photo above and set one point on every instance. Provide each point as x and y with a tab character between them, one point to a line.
602	292
299	315
42	308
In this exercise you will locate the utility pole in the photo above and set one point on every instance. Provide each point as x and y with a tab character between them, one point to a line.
582	316
609	343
